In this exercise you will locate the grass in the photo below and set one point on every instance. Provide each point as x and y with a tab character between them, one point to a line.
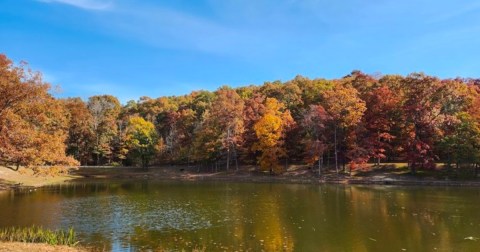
36	234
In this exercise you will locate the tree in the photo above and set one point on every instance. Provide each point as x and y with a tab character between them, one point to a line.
220	133
80	134
105	110
142	139
253	111
271	130
462	144
346	109
382	113
33	126
427	104
314	125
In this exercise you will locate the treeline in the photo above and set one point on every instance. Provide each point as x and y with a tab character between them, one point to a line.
341	123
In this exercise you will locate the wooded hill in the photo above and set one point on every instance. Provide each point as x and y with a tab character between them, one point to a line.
360	118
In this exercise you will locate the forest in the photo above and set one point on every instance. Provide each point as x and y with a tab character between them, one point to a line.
338	124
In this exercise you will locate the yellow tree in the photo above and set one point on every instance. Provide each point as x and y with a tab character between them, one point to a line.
142	139
271	129
346	109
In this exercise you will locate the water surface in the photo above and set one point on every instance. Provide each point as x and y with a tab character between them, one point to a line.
223	216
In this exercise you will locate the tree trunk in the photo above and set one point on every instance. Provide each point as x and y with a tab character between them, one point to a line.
236	158
336	151
228	158
320	159
328	159
144	163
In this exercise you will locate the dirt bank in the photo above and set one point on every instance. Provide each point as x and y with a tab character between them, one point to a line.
26	178
38	247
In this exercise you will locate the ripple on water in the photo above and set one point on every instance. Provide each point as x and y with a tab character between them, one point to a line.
118	215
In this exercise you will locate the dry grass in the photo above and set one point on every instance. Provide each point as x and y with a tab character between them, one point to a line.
28	177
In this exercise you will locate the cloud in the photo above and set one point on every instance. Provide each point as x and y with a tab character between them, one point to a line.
84	4
164	27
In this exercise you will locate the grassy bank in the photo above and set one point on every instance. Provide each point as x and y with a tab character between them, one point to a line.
37	239
38	235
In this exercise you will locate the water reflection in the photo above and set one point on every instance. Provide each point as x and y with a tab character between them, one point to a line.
148	215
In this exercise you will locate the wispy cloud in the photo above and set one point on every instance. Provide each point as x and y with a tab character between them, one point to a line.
84	4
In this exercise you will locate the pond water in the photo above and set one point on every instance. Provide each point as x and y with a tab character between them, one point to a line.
118	215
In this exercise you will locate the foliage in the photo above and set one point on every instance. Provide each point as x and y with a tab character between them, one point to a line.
142	139
221	131
33	126
80	133
271	130
314	125
105	110
353	120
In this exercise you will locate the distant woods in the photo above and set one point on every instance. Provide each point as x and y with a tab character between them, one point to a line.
335	124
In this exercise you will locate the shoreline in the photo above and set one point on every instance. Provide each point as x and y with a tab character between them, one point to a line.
179	173
40	247
305	176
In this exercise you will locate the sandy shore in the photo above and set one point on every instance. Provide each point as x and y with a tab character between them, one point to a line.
38	247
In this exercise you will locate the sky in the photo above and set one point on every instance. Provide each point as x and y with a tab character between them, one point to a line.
134	48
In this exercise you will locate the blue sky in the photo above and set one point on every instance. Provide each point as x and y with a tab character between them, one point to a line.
133	48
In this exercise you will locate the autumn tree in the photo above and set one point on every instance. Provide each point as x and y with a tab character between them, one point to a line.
142	139
80	134
104	110
33	125
460	140
428	103
462	144
380	117
346	109
314	126
252	112
221	131
271	129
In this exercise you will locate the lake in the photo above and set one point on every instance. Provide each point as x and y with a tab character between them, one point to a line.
119	215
